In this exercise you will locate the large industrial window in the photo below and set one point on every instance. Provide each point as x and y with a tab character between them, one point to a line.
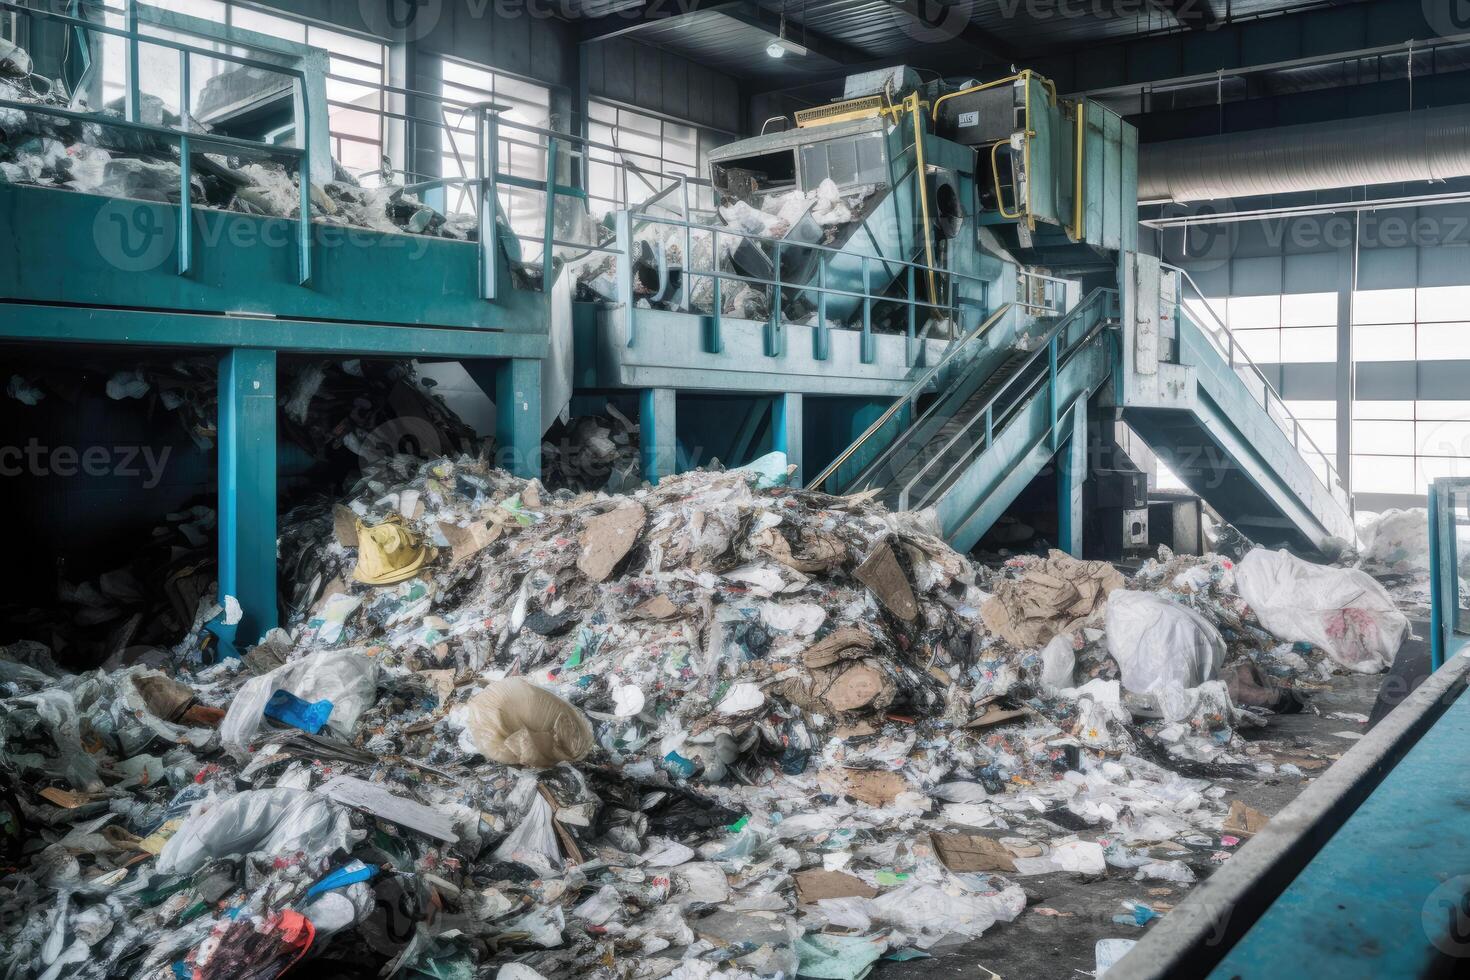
1399	446
651	152
521	153
1289	328
357	71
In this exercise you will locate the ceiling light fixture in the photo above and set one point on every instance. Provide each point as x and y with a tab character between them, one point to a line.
781	46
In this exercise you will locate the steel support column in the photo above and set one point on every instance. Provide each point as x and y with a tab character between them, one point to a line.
247	488
658	443
518	416
1071	464
786	424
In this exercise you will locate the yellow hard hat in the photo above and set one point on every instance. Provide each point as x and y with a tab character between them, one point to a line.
388	553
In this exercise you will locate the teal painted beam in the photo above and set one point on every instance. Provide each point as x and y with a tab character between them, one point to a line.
658	442
247	488
518	416
70	324
786	421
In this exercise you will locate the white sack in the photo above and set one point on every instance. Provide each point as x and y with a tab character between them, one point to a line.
1340	610
272	821
1157	642
348	680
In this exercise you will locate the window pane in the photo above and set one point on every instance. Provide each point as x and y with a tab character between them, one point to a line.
1304	409
1383	410
1449	410
1385	438
1448	438
1309	310
1383	342
1384	474
1261	346
1444	341
254	20
1305	345
1439	468
1322	432
1383	306
1254	312
1440	303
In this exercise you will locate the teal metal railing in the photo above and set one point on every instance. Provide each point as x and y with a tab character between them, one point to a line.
949	309
1265	394
186	140
1066	336
1449	508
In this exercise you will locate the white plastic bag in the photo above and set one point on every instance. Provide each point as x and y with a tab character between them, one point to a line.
1157	642
349	680
273	821
1340	610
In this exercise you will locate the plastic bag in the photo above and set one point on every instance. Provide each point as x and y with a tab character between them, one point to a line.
1343	611
535	834
517	723
1158	642
274	821
348	680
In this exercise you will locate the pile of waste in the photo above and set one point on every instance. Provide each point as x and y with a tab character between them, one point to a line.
718	726
593	452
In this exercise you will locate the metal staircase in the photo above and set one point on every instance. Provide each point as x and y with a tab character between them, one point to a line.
982	439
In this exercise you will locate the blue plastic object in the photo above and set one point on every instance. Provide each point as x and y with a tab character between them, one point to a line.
348	874
309	716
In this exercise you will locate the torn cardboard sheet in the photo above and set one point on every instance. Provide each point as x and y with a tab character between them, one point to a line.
816	884
607	539
886	579
875	787
1058	594
1244	821
964	853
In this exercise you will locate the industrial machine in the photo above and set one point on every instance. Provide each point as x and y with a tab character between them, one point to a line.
926	289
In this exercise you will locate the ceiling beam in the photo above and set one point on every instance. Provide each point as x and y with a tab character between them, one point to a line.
1129	65
639	16
951	22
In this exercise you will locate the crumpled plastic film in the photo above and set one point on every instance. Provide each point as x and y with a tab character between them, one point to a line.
274	821
1158	642
1341	610
517	723
347	679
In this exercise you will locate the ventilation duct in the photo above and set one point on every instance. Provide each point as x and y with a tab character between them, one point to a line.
1425	145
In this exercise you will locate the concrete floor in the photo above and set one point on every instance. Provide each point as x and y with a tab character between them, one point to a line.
1045	945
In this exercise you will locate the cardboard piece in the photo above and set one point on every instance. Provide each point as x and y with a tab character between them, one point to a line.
466	542
375	799
344	526
996	716
607	539
885	578
875	787
659	607
814	885
965	853
1244	821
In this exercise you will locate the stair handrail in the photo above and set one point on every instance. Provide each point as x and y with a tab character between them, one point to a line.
1045	347
908	396
1236	355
